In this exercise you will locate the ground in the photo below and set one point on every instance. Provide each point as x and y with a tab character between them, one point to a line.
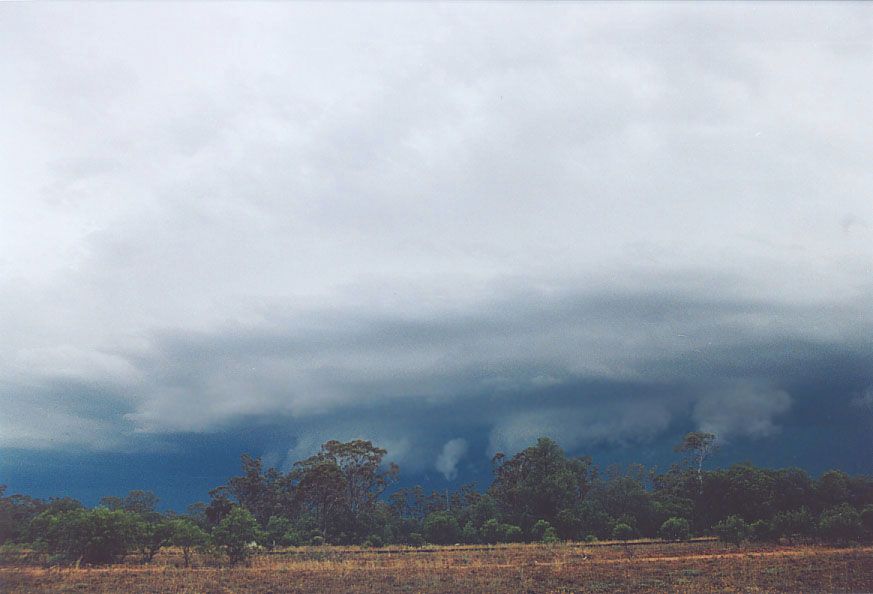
701	566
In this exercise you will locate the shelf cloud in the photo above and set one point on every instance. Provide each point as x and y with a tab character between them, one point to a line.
450	228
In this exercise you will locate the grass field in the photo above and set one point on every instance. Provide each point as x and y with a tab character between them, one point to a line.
601	567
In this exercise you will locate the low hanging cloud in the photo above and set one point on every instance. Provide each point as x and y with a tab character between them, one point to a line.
450	456
745	410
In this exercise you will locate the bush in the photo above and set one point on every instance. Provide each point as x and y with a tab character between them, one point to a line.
791	524
469	535
539	529
840	524
374	541
675	530
867	519
441	528
185	534
91	536
291	538
550	536
542	531
152	536
277	528
732	529
493	532
416	540
317	540
762	531
236	531
622	531
512	533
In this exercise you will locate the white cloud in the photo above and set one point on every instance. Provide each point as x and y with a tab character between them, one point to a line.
743	410
452	453
585	424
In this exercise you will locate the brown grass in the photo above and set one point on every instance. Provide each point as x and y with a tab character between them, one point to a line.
647	567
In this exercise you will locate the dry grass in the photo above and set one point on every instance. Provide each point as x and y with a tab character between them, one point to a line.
648	567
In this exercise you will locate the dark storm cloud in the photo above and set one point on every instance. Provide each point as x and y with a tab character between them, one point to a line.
588	367
448	228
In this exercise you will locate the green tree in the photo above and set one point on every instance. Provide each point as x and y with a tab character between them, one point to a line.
623	532
186	535
867	519
840	524
832	489
152	536
791	524
732	529
493	531
469	534
697	446
512	533
675	530
235	533
111	502
277	528
341	484
89	536
538	531
441	528
16	513
538	483
762	531
139	502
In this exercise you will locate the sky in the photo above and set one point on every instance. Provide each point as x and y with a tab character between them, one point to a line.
446	228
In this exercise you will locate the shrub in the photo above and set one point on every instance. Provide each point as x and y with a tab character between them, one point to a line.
791	524
151	536
762	531
550	536
317	540
469	534
622	531
416	540
512	533
441	528
493	532
91	536
235	532
291	538
185	534
867	519
675	530
277	528
840	524
374	541
732	529
538	530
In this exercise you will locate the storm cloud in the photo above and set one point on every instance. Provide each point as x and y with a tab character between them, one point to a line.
447	228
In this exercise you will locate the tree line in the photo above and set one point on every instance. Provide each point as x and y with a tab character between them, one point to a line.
346	494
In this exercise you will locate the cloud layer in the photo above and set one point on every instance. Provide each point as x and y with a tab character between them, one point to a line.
413	223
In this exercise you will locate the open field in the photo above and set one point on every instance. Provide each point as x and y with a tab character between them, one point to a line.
646	567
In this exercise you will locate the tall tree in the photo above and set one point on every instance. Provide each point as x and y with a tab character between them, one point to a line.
359	463
539	482
698	446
